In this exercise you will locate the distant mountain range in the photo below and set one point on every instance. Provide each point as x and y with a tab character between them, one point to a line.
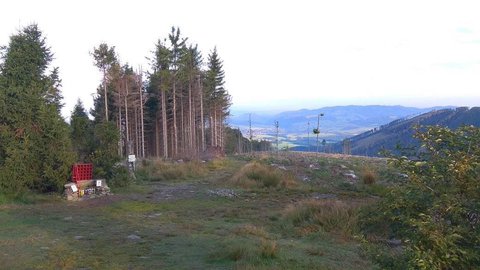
336	123
400	132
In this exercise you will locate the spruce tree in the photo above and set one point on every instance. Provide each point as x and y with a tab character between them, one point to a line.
35	150
218	100
81	132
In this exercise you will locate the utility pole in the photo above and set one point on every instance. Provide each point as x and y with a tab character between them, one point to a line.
308	137
250	131
276	136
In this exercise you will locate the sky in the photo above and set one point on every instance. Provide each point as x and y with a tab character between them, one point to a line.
277	55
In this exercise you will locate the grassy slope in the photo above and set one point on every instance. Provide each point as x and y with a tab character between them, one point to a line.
181	225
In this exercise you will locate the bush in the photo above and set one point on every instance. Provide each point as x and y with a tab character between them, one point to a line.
120	177
432	212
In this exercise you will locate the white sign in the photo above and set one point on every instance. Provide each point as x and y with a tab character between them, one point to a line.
131	158
99	183
74	188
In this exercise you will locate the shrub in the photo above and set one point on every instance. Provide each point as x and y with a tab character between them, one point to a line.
432	211
120	177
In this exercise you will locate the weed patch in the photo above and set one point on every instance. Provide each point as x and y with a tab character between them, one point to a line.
158	170
369	177
328	215
257	175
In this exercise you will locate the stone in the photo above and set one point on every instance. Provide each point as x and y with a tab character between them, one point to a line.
224	192
134	237
394	242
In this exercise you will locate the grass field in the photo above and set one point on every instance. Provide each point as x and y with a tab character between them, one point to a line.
279	213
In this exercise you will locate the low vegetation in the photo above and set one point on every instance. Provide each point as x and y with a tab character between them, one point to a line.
435	211
369	177
158	170
289	211
322	215
258	175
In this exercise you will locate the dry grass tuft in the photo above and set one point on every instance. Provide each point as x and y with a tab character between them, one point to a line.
268	248
255	174
159	170
328	215
369	177
217	163
250	229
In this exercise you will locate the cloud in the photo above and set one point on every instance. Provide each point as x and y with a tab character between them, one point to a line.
458	65
464	30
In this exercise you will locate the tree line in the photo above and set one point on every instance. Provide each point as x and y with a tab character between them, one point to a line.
175	110
178	111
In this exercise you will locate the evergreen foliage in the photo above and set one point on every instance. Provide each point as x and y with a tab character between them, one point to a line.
81	133
35	149
186	106
105	156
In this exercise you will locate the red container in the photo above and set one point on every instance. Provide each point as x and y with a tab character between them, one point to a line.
82	172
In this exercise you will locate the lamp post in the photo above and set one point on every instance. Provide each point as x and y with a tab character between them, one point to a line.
317	130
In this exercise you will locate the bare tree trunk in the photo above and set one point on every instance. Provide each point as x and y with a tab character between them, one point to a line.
127	150
164	123
175	135
215	126
157	138
190	116
120	123
105	93
202	120
220	131
142	125
212	142
182	126
193	127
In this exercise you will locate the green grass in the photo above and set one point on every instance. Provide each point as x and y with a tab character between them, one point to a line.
261	228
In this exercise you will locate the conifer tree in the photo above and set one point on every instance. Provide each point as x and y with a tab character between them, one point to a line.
35	149
81	132
105	58
218	100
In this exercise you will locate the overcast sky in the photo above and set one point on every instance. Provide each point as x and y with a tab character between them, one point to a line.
278	54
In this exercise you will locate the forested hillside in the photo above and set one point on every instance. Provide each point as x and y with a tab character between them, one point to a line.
399	133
